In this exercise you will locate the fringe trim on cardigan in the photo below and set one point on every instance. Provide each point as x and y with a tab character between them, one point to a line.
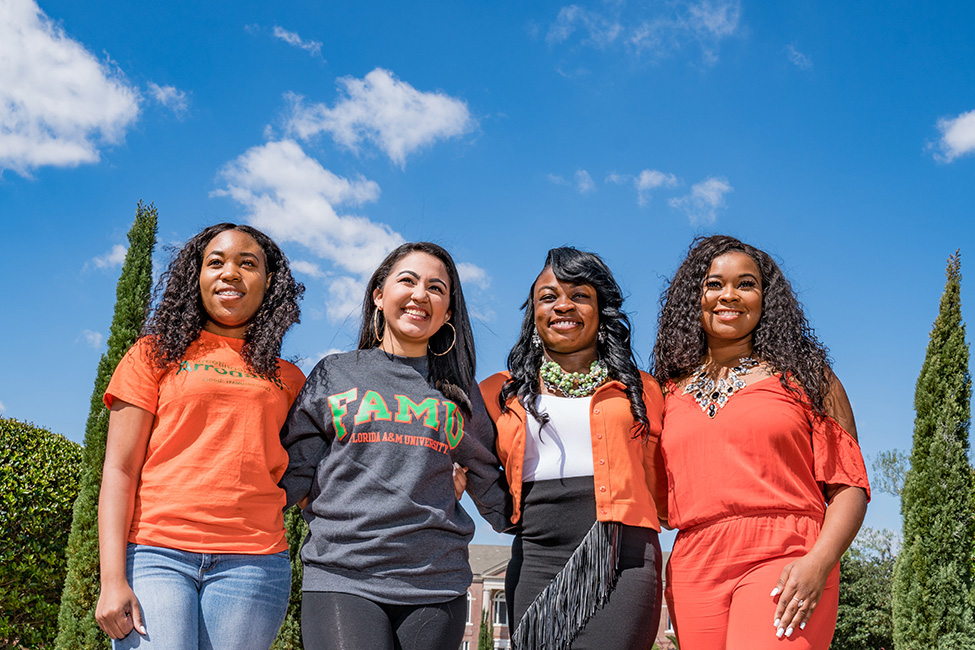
582	587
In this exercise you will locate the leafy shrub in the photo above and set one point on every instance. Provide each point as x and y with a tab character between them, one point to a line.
289	637
39	478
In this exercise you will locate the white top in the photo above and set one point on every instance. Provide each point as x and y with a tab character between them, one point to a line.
563	447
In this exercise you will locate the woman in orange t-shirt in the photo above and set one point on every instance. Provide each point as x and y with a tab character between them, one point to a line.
766	481
191	532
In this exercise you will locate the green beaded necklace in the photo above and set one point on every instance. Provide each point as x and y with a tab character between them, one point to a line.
574	384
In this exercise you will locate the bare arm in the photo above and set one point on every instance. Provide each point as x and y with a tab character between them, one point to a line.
118	610
805	579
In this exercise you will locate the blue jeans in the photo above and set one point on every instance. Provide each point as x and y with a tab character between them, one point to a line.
202	601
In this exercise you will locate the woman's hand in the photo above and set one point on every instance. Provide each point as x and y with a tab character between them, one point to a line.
800	588
460	480
118	611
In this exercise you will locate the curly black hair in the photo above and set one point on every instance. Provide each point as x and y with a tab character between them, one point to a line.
783	338
452	373
525	360
179	316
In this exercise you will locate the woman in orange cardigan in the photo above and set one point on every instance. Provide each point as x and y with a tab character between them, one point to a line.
767	483
578	431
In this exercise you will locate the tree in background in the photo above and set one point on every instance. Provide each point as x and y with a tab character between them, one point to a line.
38	483
485	637
864	621
76	622
289	636
933	573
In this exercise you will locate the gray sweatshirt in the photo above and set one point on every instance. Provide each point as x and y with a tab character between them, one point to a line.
372	444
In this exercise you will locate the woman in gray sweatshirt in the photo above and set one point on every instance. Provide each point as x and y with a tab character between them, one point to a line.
372	440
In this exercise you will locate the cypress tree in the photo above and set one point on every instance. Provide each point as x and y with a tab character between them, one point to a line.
485	637
76	621
932	589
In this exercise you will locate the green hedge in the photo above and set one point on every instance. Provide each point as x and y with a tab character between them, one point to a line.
39	477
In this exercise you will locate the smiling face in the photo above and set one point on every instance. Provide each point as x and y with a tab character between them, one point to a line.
233	280
566	317
415	301
731	301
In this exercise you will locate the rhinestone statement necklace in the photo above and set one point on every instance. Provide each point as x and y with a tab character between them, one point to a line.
711	395
574	384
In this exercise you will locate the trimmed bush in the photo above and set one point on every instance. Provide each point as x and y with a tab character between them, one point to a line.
39	482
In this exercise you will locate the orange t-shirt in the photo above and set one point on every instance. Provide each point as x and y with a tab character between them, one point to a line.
763	452
209	483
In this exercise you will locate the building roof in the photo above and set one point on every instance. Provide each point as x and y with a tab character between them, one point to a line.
488	559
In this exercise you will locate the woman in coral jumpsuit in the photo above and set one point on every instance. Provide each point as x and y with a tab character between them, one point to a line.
766	481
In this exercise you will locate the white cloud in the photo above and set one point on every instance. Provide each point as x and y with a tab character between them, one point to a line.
584	183
957	136
171	97
308	268
389	113
600	30
717	18
2	407
618	179
291	197
472	274
112	258
799	59
704	201
650	30
345	295
291	38
92	339
651	179
58	103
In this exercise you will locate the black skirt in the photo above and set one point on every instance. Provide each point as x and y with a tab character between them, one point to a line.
557	516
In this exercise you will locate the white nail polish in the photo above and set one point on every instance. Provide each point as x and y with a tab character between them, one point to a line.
789	632
774	592
802	626
776	623
779	632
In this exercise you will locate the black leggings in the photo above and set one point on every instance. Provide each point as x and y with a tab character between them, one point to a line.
336	621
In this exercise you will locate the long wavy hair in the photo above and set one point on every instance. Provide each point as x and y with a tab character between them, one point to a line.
179	316
783	338
525	360
453	373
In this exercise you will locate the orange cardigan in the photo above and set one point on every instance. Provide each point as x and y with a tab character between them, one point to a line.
628	473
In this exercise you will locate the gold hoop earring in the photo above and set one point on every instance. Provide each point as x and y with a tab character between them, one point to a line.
375	326
440	354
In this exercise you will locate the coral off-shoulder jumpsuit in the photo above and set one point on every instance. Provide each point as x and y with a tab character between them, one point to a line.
746	491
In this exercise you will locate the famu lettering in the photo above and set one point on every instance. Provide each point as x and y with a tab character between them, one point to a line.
372	407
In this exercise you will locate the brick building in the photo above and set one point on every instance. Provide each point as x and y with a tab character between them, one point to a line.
486	593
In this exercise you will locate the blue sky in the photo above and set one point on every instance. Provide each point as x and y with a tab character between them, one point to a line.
838	136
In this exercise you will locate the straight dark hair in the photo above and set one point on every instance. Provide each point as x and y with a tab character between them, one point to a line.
453	373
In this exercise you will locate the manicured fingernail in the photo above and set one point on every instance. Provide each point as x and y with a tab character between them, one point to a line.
779	632
776	623
802	626
775	592
789	631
